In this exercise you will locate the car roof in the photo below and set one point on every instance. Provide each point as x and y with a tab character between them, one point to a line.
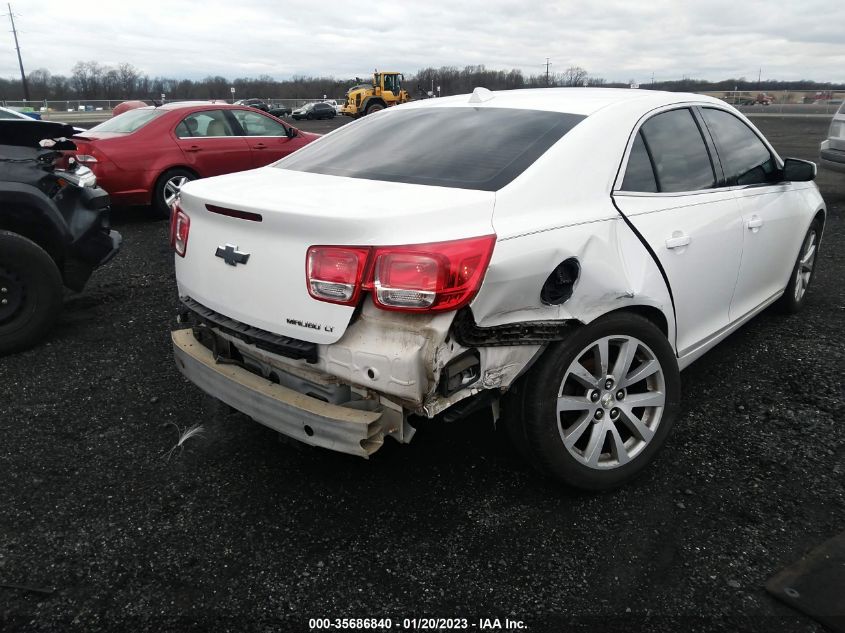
585	101
182	105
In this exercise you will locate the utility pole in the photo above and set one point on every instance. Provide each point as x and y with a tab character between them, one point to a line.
18	48
548	63
759	76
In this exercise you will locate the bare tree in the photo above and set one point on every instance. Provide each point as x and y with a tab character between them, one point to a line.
39	83
128	77
111	84
572	76
86	79
91	80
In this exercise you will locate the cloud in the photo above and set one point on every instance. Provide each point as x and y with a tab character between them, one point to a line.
612	39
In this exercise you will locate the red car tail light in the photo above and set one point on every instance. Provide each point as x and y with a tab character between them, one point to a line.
85	152
335	273
180	226
422	277
430	277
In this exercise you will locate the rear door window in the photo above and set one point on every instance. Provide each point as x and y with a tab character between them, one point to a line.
204	124
745	159
680	157
639	175
254	124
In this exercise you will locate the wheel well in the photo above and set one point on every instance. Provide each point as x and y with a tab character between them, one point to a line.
648	312
172	167
820	216
28	226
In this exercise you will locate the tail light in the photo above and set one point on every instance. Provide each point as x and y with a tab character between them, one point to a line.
180	226
85	153
423	277
334	273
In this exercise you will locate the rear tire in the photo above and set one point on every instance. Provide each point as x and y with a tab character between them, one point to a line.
166	189
511	421
598	407
795	295
31	287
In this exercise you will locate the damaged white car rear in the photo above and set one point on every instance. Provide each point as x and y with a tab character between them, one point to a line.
557	255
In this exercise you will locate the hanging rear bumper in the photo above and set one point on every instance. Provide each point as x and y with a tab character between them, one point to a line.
356	428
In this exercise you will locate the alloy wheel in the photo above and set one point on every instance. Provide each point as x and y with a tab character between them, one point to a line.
172	187
806	260
611	401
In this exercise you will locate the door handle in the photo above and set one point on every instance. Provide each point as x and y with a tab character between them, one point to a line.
678	240
260	146
193	148
754	223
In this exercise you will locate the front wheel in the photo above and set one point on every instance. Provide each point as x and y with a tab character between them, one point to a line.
598	406
373	107
167	190
30	292
802	273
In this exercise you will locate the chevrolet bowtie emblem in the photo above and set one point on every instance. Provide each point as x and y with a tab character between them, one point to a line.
231	255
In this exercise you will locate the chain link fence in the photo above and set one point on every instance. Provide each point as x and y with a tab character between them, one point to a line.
106	105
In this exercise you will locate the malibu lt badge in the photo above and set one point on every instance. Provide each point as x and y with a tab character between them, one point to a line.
231	255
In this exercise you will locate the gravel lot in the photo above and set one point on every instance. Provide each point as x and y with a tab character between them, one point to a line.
241	532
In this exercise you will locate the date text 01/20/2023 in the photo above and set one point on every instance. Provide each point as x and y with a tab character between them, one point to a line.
416	624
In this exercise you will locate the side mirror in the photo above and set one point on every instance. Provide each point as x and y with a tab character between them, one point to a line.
797	170
291	132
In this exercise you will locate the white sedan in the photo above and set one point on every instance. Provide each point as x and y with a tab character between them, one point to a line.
557	256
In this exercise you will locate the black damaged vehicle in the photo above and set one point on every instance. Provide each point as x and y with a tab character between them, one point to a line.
54	228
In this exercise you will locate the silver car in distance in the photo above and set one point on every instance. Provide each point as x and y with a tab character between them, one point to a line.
832	150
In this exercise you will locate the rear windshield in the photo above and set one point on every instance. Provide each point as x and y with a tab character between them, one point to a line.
464	148
128	121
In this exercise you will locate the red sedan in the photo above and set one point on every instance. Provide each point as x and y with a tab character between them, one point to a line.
145	155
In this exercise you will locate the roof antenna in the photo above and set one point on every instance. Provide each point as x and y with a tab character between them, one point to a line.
480	95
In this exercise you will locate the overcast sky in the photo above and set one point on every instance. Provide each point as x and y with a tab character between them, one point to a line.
617	40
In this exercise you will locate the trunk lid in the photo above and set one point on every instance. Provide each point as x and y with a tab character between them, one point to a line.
299	210
93	136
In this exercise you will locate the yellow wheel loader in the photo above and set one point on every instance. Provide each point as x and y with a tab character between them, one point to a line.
385	91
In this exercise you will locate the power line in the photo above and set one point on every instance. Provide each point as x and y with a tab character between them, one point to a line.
18	48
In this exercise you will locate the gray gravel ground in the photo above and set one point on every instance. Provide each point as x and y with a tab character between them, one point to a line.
241	532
